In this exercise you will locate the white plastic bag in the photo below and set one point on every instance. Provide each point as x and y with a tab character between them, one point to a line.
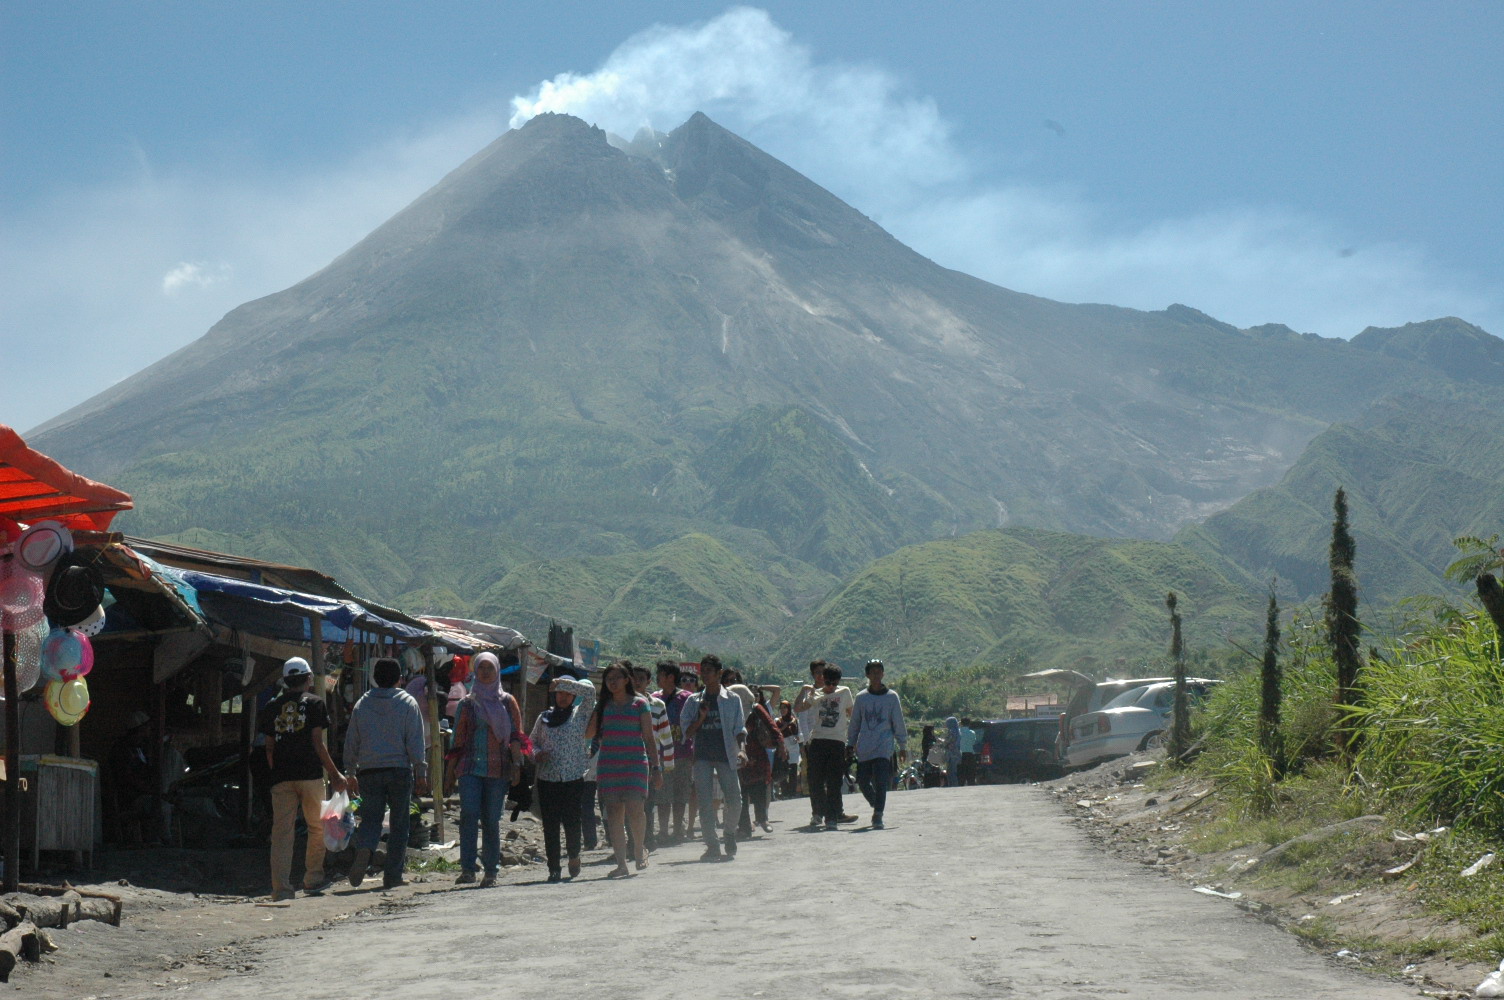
1493	986
338	819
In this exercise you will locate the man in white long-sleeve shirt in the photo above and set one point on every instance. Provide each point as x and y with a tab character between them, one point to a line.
876	733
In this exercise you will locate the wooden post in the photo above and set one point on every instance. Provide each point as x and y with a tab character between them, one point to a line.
12	768
435	744
158	738
247	736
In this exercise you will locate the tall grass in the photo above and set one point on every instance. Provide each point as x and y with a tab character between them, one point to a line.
1229	725
1432	716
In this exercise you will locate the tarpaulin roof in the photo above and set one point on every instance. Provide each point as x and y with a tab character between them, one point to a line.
35	488
343	617
497	635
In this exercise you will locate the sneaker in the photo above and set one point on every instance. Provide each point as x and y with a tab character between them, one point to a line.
848	819
877	821
359	865
554	875
488	880
465	878
766	826
711	854
730	848
831	825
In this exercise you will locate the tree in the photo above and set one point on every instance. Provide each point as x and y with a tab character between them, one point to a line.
1269	703
1180	726
1481	559
1344	630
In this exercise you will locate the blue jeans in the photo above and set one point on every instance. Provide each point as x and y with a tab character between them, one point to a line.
707	772
380	789
481	803
874	777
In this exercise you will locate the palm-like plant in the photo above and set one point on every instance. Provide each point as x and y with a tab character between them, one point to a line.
1479	556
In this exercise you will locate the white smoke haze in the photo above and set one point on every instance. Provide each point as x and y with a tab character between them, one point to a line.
197	273
855	131
126	273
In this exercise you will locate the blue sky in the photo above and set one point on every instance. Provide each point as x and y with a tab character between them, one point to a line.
1328	166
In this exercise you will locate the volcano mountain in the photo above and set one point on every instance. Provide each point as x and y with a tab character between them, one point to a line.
678	361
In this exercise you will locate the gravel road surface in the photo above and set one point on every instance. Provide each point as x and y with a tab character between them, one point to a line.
972	892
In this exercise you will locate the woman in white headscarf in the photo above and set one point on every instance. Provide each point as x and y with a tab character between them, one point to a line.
489	741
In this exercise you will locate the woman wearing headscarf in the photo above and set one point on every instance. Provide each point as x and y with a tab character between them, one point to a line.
952	751
488	737
561	753
629	753
757	776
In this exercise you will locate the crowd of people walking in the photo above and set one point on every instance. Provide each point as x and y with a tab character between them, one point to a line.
703	749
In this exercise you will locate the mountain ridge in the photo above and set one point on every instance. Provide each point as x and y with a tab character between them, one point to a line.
565	350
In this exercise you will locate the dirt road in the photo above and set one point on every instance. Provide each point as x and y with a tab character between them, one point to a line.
974	892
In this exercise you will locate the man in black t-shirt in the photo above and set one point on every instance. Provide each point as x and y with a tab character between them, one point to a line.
294	723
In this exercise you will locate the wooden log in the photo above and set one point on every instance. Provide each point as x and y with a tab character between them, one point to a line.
9	914
101	910
44	911
17	944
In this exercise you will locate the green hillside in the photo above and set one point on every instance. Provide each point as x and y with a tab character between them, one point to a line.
693	588
1025	597
1418	473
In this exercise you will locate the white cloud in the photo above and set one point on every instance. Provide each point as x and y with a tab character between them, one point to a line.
196	273
856	130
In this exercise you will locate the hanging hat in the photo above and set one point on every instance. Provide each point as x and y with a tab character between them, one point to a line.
68	701
43	544
21	596
76	589
94	624
29	643
66	654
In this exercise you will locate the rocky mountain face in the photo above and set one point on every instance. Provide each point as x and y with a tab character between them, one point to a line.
684	354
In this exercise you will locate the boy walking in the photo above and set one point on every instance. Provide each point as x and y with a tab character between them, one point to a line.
832	706
718	728
876	731
384	751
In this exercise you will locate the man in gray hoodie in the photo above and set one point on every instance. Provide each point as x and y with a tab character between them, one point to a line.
384	756
876	731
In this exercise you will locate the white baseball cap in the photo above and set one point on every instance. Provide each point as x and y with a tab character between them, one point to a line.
296	667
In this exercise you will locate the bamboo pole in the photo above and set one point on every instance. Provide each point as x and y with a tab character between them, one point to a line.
435	744
12	767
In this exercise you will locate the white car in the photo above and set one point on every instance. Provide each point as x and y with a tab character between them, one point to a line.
1134	720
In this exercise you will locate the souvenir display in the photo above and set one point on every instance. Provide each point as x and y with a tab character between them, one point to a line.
68	701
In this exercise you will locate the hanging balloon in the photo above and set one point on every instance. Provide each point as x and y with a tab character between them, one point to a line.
66	654
68	701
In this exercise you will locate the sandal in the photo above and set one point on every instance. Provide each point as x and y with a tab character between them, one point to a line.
618	873
642	864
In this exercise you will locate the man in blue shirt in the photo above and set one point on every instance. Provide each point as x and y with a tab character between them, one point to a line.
876	731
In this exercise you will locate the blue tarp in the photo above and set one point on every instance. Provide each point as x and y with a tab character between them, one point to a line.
341	618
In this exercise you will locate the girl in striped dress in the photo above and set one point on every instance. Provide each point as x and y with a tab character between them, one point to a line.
628	756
